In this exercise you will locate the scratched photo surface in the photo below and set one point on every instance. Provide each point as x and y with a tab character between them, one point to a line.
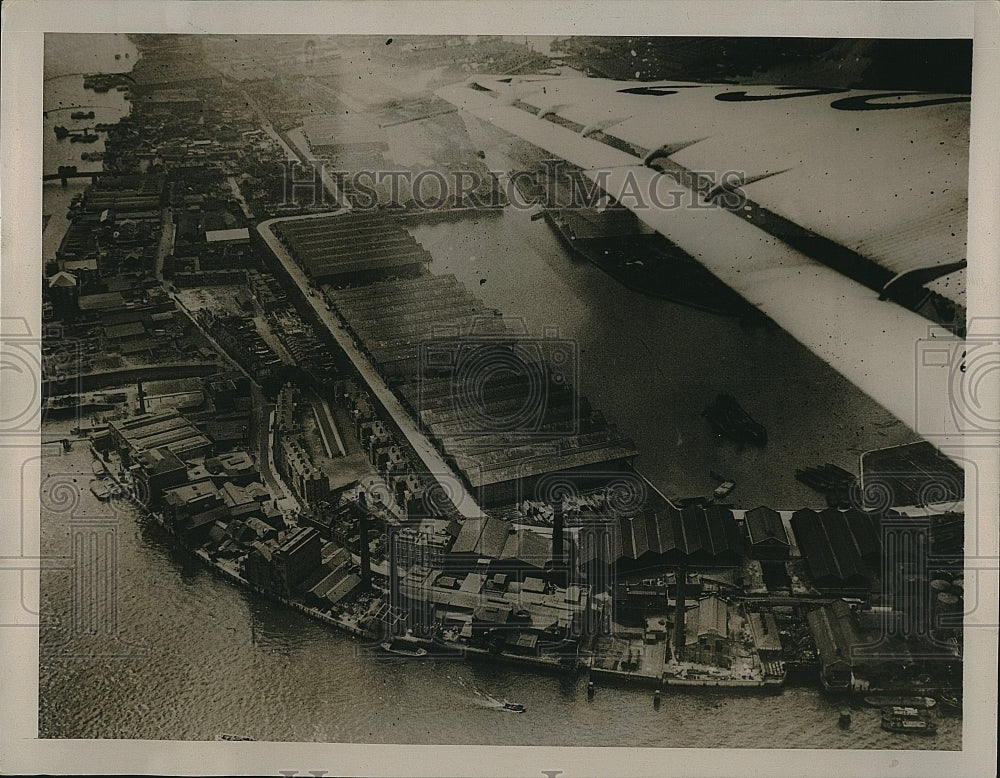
506	390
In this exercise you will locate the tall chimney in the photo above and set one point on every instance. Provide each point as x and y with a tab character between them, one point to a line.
364	550
679	613
142	400
557	534
395	603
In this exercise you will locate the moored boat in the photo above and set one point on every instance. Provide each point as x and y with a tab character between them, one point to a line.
404	646
722	490
100	490
230	736
900	700
909	726
901	711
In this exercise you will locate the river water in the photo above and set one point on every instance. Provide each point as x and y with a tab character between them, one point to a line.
178	653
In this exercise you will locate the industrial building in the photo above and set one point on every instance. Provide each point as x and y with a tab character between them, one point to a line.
352	248
836	547
666	537
168	429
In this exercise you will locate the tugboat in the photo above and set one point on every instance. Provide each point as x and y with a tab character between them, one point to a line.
909	726
404	646
898	700
729	420
901	711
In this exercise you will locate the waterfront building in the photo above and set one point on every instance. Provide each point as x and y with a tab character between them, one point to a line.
166	428
426	545
498	610
158	469
662	538
836	637
64	294
706	638
352	248
280	566
831	551
185	500
767	535
294	463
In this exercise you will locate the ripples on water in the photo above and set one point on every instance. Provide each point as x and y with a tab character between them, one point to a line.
195	656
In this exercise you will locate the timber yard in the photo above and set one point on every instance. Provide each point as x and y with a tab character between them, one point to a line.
299	395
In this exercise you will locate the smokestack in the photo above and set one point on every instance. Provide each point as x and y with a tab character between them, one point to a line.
679	614
363	549
557	534
395	604
142	400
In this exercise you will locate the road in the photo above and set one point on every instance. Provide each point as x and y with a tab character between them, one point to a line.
261	421
166	246
263	438
301	153
435	465
326	422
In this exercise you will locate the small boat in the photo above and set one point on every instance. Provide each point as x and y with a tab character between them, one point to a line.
908	726
514	707
403	646
901	711
82	115
87	137
100	490
845	718
230	736
953	701
902	701
722	490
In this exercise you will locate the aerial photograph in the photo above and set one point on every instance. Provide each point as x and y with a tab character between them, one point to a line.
505	390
